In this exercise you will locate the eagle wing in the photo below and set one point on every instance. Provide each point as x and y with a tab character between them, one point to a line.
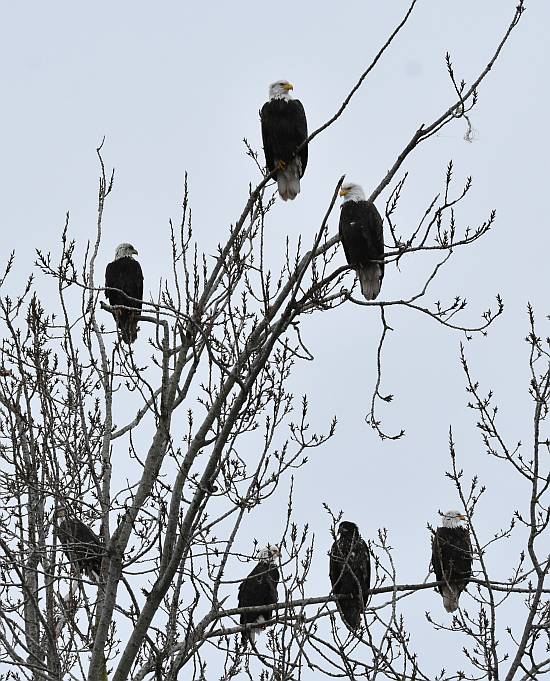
356	563
301	132
82	546
284	128
361	232
267	125
335	564
361	567
452	555
85	535
260	587
124	274
273	581
375	234
349	572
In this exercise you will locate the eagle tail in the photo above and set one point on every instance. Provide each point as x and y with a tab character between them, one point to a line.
370	279
251	633
288	179
93	569
93	574
350	612
127	323
450	598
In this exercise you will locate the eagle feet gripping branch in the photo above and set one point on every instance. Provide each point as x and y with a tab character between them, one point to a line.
281	165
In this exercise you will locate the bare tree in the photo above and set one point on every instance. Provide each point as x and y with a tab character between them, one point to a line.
215	433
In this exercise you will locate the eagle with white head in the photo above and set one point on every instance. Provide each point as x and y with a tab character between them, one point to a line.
259	588
362	238
124	290
452	557
284	128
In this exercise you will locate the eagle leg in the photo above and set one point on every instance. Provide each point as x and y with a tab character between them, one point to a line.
281	165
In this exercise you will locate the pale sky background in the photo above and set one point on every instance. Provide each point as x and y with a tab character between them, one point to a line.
176	86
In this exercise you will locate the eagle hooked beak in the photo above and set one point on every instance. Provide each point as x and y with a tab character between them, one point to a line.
288	87
461	517
344	192
134	252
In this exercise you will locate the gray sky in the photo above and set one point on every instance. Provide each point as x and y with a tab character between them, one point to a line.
175	88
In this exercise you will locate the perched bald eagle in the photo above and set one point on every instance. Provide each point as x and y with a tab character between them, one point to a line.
125	274
350	573
82	546
259	588
284	128
452	557
362	238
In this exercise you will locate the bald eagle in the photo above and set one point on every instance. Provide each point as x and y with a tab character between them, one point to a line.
259	588
452	558
284	128
82	546
350	573
125	274
362	238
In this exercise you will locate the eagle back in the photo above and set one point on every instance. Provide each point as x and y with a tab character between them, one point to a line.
452	554
73	531
124	274
260	587
82	546
350	566
284	128
361	233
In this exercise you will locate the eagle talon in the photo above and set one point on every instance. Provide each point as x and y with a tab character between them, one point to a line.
281	165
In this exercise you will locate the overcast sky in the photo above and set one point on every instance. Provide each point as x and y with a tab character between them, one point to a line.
176	86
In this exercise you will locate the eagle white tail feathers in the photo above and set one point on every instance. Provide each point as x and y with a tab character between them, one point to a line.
450	598
288	179
93	575
370	277
250	634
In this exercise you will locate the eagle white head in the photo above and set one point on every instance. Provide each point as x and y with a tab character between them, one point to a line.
352	192
280	89
61	513
269	554
454	519
125	251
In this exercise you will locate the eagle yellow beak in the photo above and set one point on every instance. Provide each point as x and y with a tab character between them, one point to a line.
462	517
288	87
344	192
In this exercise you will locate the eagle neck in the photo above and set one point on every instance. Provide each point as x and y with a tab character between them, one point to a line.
283	96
